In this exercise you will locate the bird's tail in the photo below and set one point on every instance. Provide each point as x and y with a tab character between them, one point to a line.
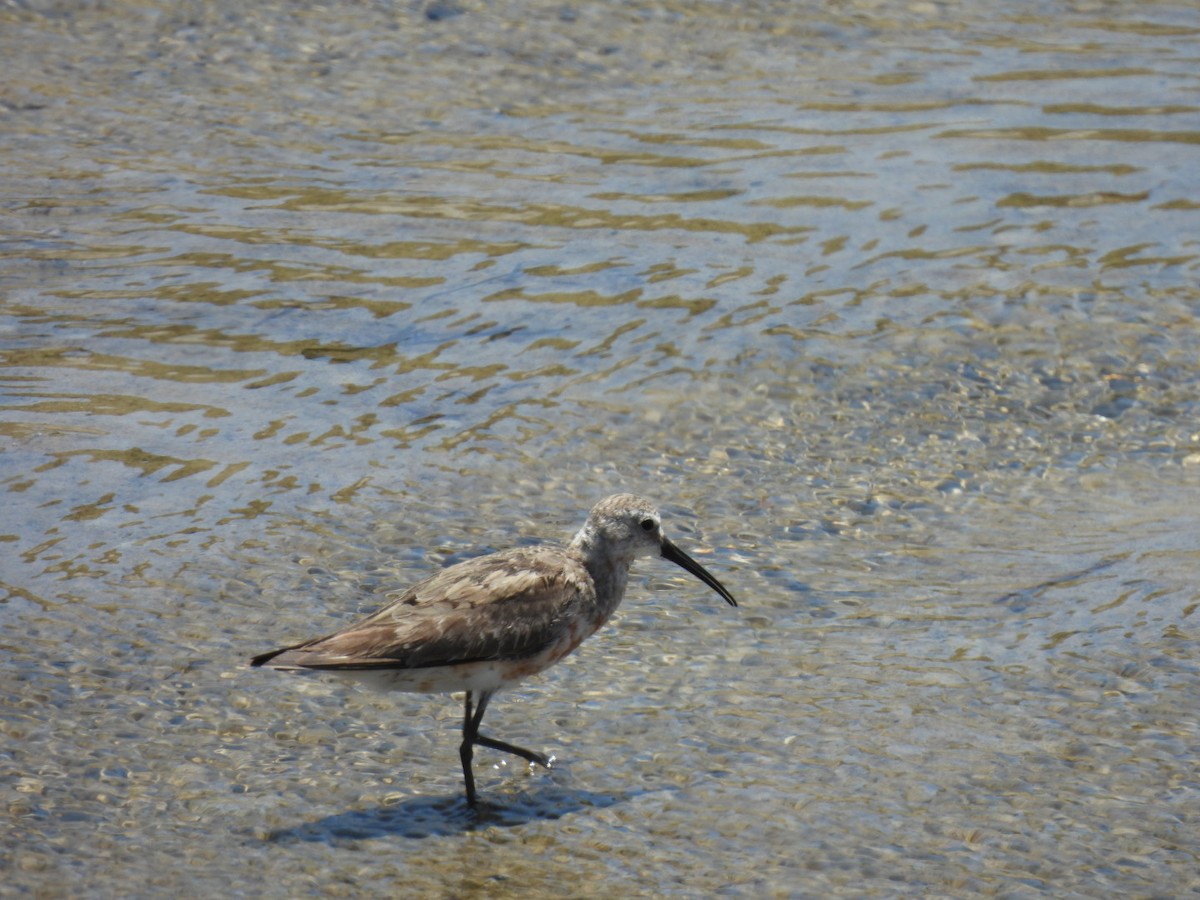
264	658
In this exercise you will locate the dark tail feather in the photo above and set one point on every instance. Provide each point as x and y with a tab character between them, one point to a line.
267	657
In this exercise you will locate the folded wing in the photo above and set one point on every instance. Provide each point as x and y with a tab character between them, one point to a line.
502	606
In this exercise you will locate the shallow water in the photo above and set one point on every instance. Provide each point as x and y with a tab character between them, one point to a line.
893	308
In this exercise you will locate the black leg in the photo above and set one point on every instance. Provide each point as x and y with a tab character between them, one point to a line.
466	750
530	755
471	736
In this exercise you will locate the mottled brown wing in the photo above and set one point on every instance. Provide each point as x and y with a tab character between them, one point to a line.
503	606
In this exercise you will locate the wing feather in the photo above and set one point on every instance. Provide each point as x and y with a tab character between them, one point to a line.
507	605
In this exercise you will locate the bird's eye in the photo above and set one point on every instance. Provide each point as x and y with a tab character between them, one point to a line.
647	524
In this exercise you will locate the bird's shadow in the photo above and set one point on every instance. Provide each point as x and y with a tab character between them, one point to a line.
424	817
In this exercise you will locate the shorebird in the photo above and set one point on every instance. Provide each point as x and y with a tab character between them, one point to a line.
485	624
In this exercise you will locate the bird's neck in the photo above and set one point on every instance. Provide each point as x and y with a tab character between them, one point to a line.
610	573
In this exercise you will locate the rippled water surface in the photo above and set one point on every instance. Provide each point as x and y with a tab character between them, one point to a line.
892	306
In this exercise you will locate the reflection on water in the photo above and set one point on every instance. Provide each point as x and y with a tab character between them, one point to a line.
892	306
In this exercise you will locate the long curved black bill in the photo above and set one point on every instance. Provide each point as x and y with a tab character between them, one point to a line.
681	559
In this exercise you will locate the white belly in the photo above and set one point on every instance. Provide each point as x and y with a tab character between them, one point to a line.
482	677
